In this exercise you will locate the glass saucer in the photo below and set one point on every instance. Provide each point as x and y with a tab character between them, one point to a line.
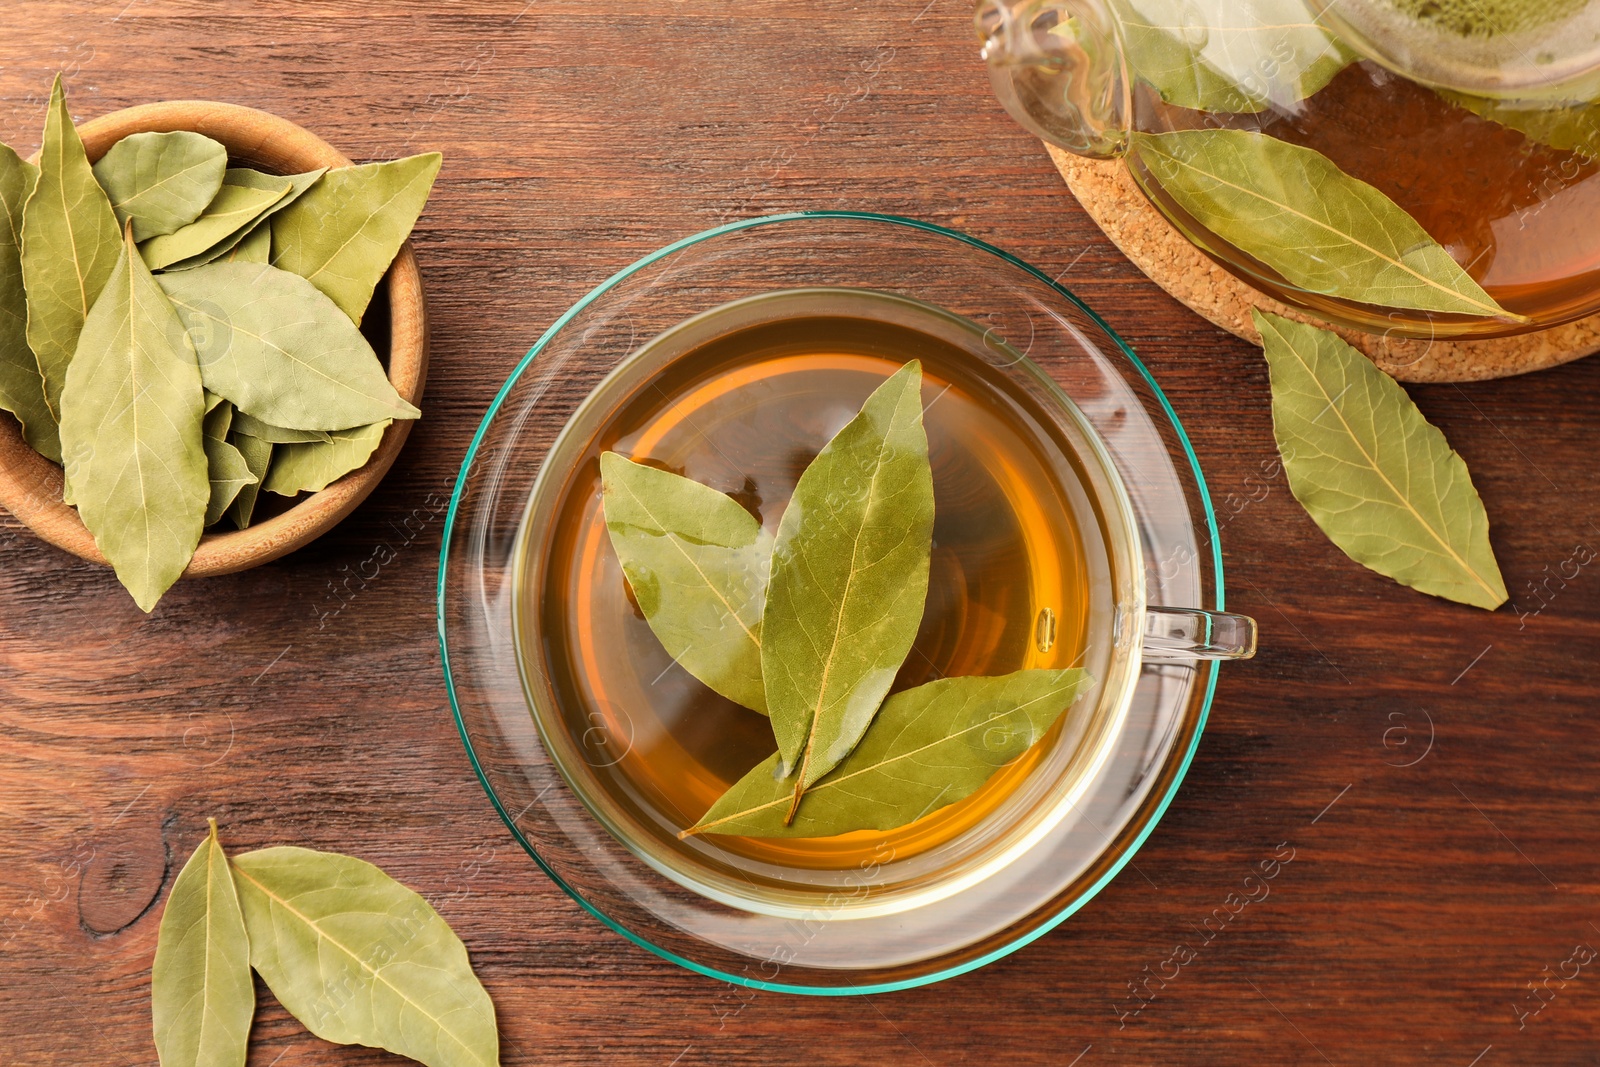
825	949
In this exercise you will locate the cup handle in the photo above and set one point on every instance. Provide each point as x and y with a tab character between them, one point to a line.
1189	633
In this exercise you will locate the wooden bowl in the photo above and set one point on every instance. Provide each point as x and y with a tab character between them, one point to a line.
30	485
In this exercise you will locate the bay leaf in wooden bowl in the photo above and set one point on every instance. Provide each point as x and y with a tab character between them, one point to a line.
31	485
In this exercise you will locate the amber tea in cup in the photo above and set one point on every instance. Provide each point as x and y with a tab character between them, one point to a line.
1034	565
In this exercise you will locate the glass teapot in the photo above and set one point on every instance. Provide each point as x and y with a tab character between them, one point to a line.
1424	168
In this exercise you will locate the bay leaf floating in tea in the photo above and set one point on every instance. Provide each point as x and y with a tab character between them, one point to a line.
278	435
697	564
362	960
343	234
1324	231
928	747
70	246
849	580
226	466
202	999
234	210
1230	56
161	182
131	411
1378	478
21	384
1568	127
257	456
312	467
280	350
251	179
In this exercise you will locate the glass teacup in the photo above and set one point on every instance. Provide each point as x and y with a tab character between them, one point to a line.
597	767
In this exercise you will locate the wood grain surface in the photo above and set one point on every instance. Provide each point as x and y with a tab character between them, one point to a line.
1431	767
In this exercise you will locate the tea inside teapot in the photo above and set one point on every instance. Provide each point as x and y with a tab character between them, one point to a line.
1440	182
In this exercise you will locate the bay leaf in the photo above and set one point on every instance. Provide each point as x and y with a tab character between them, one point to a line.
929	747
1229	56
1571	127
131	412
1324	231
70	246
255	247
226	466
21	384
697	564
280	350
218	420
251	179
312	467
202	997
1377	477
257	457
362	960
278	435
161	182
344	233
849	579
231	213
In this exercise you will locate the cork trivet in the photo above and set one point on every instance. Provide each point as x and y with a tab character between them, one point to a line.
1109	194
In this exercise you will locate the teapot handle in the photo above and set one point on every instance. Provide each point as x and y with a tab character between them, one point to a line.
1059	69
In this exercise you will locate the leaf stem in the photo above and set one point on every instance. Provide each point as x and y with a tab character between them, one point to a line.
794	804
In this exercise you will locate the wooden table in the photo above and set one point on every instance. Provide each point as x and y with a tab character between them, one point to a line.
1431	767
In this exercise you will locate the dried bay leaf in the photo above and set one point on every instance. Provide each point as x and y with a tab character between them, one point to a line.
234	210
1229	56
201	995
254	247
362	960
1377	477
251	179
21	384
343	234
70	246
218	419
226	467
312	467
1294	210
131	413
161	181
928	747
697	564
280	350
278	435
257	456
849	579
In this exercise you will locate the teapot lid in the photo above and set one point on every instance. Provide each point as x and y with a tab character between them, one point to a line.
1526	49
